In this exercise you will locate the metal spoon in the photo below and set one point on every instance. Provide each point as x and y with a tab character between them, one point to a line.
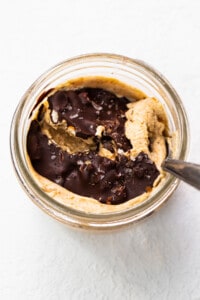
185	171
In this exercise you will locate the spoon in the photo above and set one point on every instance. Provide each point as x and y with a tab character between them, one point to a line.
188	172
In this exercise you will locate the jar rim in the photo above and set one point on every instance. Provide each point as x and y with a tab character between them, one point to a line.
69	215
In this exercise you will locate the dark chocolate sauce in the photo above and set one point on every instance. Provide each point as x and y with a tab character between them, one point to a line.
88	108
89	174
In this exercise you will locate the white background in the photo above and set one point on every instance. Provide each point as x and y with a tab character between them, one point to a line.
158	258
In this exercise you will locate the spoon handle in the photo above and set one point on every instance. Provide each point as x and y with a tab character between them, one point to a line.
187	172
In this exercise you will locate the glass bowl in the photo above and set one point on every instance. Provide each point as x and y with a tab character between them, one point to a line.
133	72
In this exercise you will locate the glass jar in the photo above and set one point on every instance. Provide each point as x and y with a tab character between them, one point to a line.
129	71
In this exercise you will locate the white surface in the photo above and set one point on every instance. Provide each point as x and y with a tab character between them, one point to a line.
158	258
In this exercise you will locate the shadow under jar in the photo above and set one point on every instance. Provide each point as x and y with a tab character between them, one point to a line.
130	72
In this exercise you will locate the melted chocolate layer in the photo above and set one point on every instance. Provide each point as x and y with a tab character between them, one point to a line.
87	108
89	174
